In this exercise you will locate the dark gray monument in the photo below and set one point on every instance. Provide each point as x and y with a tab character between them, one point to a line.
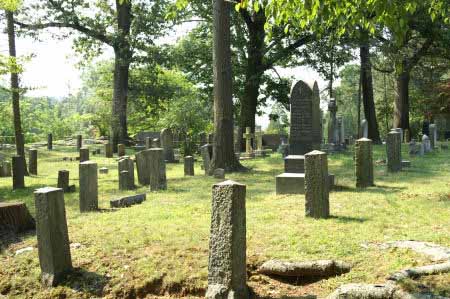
317	181
363	163
33	161
88	178
167	145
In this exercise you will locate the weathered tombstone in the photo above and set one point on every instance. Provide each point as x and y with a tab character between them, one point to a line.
52	235
108	150
219	173
394	151
18	172
426	144
413	148
248	141
332	124
421	149
259	142
121	150
103	170
143	168
407	135
206	151
189	165
84	154
317	182
157	167
127	201
433	136
305	132
400	130
33	163
364	163
156	143
50	142
5	169
364	129
341	129
227	273
126	164
148	142
167	145
88	186
63	181
124	184
294	164
79	142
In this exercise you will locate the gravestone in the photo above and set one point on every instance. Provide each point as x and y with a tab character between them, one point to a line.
364	163
259	142
167	145
79	142
332	124
227	273
18	172
108	150
203	138
63	181
413	148
127	201
394	151
341	129
206	151
156	143
88	182
305	132
421	149
143	167
189	166
50	142
124	183
294	164
52	235
248	141
317	181
5	169
121	150
103	170
126	164
426	144
219	173
33	163
157	167
433	136
400	130
84	154
148	142
364	129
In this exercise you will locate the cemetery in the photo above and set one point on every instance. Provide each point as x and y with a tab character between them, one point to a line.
166	175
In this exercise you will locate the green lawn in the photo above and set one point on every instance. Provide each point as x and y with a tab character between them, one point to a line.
161	247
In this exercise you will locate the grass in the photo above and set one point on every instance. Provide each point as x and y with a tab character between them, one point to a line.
160	248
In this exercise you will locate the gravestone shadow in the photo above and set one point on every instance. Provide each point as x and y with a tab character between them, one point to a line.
8	237
86	282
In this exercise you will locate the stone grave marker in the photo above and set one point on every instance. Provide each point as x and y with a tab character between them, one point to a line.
121	149
33	161
79	142
108	150
127	201
84	154
63	181
18	172
248	142
126	164
394	151
148	142
364	129
188	166
143	168
88	182
219	173
317	181
50	142
426	144
167	145
433	136
364	163
157	167
206	151
5	169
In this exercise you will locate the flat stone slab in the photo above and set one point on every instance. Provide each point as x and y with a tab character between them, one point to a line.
294	183
103	170
433	251
406	164
127	201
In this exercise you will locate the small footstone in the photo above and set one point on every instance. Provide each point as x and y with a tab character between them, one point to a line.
127	201
219	173
290	183
103	170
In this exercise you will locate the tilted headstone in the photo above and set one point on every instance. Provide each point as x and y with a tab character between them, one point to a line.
364	129
63	181
143	167
108	150
189	166
18	172
364	163
305	132
167	145
52	235
121	149
227	273
317	182
157	166
84	154
206	151
126	164
50	142
433	136
79	142
248	141
33	161
394	151
88	182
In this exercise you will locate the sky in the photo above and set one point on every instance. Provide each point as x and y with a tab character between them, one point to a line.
53	70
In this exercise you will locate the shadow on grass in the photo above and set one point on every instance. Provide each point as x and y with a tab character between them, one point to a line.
348	219
86	282
8	237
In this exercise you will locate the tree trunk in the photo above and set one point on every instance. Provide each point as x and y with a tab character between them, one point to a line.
367	93
122	53
253	76
401	105
20	142
223	149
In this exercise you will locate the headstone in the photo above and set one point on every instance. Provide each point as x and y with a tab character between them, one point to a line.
88	186
156	143
421	149
426	128
206	151
433	136
219	173
394	151
50	142
103	170
5	169
63	181
143	168
413	148
167	145
203	138
79	142
126	164
400	130
426	144
52	235
407	135
124	184
259	142
364	163
18	172
148	142
127	201
248	141
294	164
317	182
305	132
364	129
108	150
84	154
341	130
15	217
121	150
157	167
227	273
33	161
189	165
332	125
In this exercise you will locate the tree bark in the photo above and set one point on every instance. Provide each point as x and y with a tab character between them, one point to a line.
122	57
20	142
367	93
401	105
223	149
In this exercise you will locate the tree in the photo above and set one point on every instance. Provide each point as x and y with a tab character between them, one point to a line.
223	147
126	26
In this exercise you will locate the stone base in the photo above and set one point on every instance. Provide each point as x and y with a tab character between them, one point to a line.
294	183
260	153
406	164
